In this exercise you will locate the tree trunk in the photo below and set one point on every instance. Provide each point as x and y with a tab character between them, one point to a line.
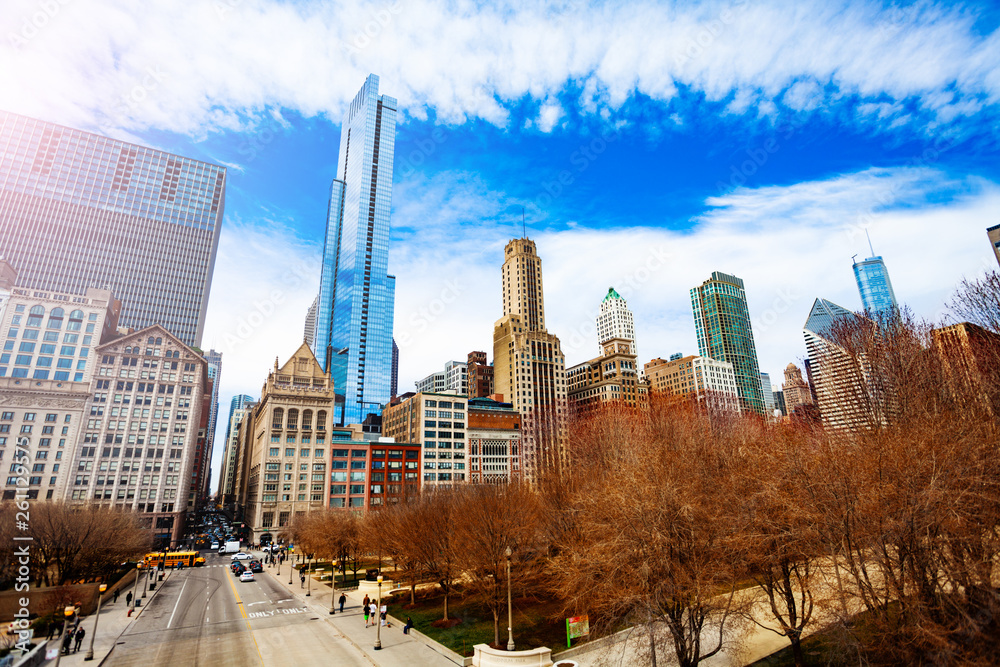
445	602
797	655
496	627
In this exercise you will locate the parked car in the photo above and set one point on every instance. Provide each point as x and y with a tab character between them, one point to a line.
246	576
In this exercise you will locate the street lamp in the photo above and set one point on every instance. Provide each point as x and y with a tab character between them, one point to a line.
291	571
68	613
309	579
333	586
378	617
135	589
97	616
510	613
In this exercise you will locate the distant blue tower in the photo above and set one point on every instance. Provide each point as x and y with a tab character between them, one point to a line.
354	314
874	285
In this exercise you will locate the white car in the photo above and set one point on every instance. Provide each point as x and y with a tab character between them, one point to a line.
247	575
215	546
241	556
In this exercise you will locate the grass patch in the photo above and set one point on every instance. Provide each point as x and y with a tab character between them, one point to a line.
536	623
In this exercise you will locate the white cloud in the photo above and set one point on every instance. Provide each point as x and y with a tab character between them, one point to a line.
198	67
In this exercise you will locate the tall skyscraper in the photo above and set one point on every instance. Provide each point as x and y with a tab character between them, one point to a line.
722	326
529	368
874	286
79	210
238	407
994	234
614	320
354	316
214	360
309	330
394	383
768	393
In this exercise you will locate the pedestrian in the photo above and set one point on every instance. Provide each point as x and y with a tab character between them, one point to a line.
78	638
382	615
52	631
409	624
67	640
373	613
367	612
115	596
128	599
343	599
302	579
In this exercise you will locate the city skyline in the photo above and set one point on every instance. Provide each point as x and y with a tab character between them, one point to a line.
637	165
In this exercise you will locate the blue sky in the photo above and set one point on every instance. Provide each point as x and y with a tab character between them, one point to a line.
648	144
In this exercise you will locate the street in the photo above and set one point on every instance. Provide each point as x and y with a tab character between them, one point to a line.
206	616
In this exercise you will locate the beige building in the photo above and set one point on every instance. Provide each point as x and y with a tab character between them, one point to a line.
285	438
47	362
610	378
227	477
694	376
141	436
529	368
494	442
436	422
796	390
994	234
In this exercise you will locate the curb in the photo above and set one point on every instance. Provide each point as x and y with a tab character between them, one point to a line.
159	588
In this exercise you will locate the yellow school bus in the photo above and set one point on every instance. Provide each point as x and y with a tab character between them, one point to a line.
185	558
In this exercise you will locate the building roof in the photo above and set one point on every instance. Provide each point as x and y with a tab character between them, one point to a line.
612	294
823	315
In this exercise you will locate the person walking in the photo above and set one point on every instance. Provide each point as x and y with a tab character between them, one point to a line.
374	613
78	638
67	640
367	612
128	599
302	579
114	596
382	615
343	599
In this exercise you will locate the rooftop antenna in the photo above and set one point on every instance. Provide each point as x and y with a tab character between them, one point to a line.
524	233
869	243
854	261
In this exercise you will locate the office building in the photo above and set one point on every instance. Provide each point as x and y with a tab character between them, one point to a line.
994	235
877	297
612	378
844	397
49	357
614	320
437	422
309	330
480	375
796	391
368	475
394	382
214	360
722	326
529	368
779	401
494	442
141	437
765	388
704	379
238	408
285	443
970	356
354	315
78	210
454	378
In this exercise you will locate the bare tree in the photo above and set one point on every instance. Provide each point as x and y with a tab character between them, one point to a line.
978	301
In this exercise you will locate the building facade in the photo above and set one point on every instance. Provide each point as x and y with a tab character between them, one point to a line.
529	368
480	375
141	436
49	357
612	378
238	408
702	378
369	475
78	210
874	286
765	388
722	326
454	378
614	320
994	236
796	391
494	442
354	314
285	437
436	422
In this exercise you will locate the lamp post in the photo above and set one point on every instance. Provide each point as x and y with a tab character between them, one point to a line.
291	571
97	616
68	614
378	617
135	589
309	579
333	586
510	613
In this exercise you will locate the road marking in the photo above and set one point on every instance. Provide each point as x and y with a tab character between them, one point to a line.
176	604
243	612
253	603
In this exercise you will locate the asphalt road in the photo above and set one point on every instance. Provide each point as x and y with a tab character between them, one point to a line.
206	616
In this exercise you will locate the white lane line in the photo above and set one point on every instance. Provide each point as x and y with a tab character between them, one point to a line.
176	604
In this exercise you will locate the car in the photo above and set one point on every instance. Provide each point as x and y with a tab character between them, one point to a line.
246	576
241	556
215	546
255	566
238	567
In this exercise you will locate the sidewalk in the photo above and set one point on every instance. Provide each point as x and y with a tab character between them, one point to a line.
398	650
113	622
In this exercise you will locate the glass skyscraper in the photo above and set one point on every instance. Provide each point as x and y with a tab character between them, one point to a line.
875	287
354	316
80	210
722	325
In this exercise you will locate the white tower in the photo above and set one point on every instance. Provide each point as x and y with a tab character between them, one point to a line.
614	320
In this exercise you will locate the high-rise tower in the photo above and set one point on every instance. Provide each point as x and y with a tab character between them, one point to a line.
722	325
79	210
615	320
994	234
874	286
354	315
528	363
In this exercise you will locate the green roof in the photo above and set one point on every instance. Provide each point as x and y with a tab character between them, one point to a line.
612	294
